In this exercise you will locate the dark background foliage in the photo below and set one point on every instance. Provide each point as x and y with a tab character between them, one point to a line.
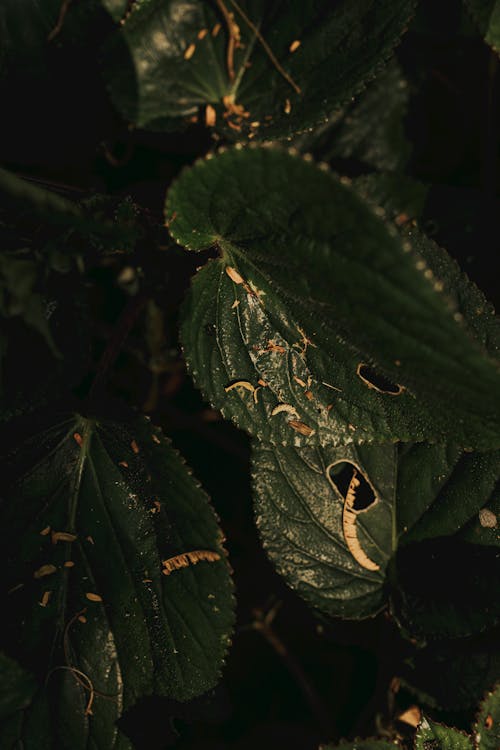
303	680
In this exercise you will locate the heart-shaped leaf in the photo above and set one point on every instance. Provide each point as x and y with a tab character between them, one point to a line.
117	580
318	323
253	68
332	540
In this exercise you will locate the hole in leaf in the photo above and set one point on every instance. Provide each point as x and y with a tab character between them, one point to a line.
378	382
341	475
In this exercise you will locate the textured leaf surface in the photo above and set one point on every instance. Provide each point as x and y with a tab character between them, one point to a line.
317	268
171	59
487	726
128	503
371	129
486	13
441	586
299	515
439	737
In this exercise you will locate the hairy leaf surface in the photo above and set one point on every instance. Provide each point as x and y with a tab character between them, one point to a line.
291	66
93	509
310	290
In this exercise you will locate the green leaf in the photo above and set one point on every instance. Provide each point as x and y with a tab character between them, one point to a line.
370	129
128	503
441	489
324	289
430	734
486	731
440	586
170	60
17	687
299	513
486	14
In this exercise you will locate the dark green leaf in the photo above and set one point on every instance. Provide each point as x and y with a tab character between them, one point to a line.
317	268
443	587
487	726
160	69
371	129
441	489
486	14
433	736
299	513
130	503
17	687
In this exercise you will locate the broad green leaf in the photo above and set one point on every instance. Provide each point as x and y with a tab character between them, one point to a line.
370	129
299	513
311	287
486	14
441	586
402	198
442	489
128	503
17	687
293	64
486	731
430	734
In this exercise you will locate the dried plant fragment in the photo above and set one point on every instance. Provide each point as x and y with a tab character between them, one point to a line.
188	558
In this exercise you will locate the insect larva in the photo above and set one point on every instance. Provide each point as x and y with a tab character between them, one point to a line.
189	52
234	275
93	597
44	570
188	558
45	598
349	527
62	536
288	408
240	384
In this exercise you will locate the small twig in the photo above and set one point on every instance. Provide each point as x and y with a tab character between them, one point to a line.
60	21
263	624
267	48
125	322
234	37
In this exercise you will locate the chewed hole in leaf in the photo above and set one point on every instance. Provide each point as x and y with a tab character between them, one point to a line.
341	475
378	382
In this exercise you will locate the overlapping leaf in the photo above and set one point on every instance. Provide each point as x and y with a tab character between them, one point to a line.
369	130
311	287
486	13
441	737
93	508
440	587
285	69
